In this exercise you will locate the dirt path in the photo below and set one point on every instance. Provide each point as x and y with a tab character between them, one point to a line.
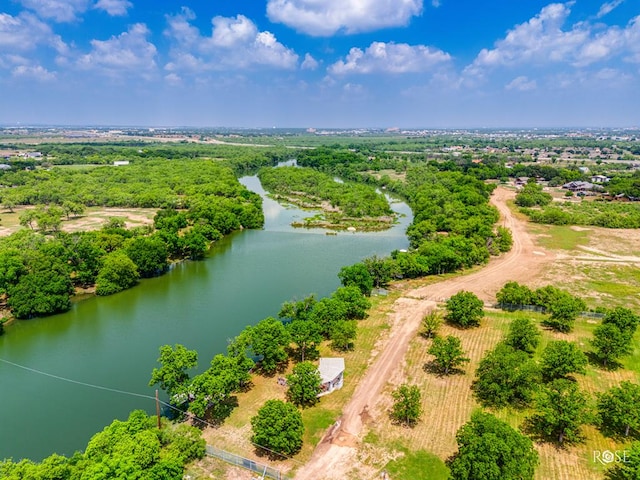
336	454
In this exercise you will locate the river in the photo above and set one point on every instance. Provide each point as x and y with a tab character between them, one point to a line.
112	342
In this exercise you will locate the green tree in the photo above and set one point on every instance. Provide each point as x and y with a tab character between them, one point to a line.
306	335
118	273
172	375
342	334
149	254
506	377
564	309
465	309
624	319
278	427
504	239
380	269
269	339
514	294
448	353
523	335
431	323
619	410
489	449
610	343
304	384
407	404
560	411
560	358
357	275
355	303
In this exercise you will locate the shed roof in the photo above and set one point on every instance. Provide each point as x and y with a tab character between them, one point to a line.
330	368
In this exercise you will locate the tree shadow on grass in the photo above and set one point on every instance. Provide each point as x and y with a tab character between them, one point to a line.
596	362
433	368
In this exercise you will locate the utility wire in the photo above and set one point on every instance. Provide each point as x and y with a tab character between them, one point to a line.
134	394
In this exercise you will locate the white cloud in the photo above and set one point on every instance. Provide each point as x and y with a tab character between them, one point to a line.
608	7
326	17
521	84
26	32
115	8
540	40
309	63
36	72
436	3
128	52
390	58
235	43
58	10
173	79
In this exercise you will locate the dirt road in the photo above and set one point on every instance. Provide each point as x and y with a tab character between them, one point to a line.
336	453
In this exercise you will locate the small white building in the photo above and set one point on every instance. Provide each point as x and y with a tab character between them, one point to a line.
599	179
120	163
332	374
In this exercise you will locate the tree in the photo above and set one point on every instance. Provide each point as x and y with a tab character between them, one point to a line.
610	343
278	427
506	377
489	449
342	334
560	358
624	319
560	411
355	303
380	269
149	254
407	405
306	335
357	275
523	335
304	384
564	309
464	309
118	273
630	468
514	294
172	375
504	239
619	410
431	323
448	352
269	339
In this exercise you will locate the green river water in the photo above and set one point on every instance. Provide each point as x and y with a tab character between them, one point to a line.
113	341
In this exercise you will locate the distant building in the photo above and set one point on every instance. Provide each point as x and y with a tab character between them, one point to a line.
332	374
34	155
4	166
599	179
578	186
120	163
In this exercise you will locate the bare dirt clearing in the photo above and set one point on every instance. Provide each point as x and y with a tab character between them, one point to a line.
336	454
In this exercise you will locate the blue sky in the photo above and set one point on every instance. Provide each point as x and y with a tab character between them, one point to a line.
320	63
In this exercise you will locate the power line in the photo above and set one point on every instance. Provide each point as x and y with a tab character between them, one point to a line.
134	394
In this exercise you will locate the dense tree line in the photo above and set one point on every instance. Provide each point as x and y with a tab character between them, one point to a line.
597	213
353	199
132	449
41	265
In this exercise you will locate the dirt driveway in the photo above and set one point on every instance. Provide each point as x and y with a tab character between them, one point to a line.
336	453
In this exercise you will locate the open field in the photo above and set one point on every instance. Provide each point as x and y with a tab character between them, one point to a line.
92	219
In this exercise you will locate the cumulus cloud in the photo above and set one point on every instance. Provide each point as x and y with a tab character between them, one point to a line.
115	8
129	52
608	7
397	58
235	43
521	84
326	17
57	10
309	63
25	32
36	72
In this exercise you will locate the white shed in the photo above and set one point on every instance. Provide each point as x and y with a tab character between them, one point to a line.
332	374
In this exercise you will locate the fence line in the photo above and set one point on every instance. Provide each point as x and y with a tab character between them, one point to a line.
264	470
539	309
